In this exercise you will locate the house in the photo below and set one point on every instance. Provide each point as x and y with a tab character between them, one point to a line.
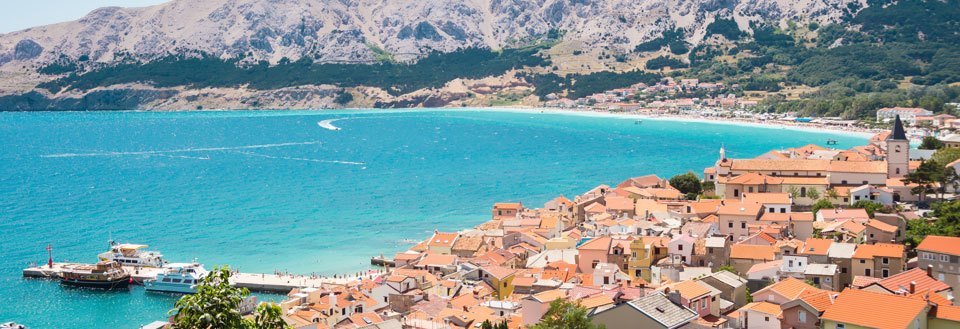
732	287
823	276
783	291
816	249
942	255
798	224
442	242
908	114
879	260
772	202
734	217
504	210
877	231
654	311
680	248
760	315
467	246
748	182
713	252
863	309
881	195
840	214
841	254
695	295
644	252
744	256
500	279
805	312
911	282
535	306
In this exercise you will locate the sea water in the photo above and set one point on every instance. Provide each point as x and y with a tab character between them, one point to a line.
268	191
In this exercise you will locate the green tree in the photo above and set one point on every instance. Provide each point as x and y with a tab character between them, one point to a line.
687	183
945	156
832	194
486	325
930	143
217	305
813	194
822	204
869	206
749	296
564	314
794	192
343	98
926	175
727	268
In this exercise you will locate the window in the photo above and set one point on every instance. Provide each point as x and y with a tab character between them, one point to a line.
736	192
766	318
866	272
703	304
802	315
803	191
750	189
772	210
885	259
730	224
843	270
841	326
783	210
843	182
638	272
743	224
885	272
945	258
680	247
594	264
866	182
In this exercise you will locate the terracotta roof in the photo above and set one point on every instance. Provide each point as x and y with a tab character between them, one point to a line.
863	167
860	281
438	260
793	180
740	208
768	198
690	289
550	295
595	207
816	247
881	226
753	178
498	272
901	281
941	245
755	252
945	312
468	243
832	214
780	165
874	310
790	288
596	301
508	205
440	239
619	203
764	307
879	250
820	300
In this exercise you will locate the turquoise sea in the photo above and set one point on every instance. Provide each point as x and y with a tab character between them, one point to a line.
272	190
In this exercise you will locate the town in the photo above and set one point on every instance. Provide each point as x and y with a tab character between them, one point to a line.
807	237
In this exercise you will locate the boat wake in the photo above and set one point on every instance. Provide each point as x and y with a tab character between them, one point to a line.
299	159
187	150
328	124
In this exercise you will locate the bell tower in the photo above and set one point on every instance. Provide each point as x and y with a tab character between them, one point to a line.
898	151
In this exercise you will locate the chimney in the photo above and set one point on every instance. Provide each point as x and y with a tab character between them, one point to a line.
674	297
913	287
930	270
333	299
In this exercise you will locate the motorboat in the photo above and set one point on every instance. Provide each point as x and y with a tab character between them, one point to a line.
177	278
127	254
107	275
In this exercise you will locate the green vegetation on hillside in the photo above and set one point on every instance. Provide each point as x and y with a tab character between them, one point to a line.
205	71
581	85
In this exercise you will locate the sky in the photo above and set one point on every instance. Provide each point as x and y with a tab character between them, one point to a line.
20	14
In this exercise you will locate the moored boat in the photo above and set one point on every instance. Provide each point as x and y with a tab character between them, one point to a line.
177	278
107	275
128	254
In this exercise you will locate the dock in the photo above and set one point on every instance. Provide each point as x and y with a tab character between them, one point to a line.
259	282
382	261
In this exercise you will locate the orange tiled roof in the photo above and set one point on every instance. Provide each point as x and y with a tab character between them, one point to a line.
753	178
791	180
864	167
881	226
879	250
768	198
817	247
790	288
740	208
780	165
941	245
601	243
746	251
918	276
441	239
874	310
783	217
820	300
765	307
508	205
690	289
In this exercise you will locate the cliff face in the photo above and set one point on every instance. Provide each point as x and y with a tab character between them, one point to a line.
351	30
362	31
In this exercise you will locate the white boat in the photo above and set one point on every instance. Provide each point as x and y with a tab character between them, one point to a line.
12	325
132	255
177	278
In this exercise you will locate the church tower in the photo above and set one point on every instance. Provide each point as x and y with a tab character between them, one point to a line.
898	151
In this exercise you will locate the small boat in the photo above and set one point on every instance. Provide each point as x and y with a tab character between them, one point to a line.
108	275
639	121
177	278
831	142
12	325
132	255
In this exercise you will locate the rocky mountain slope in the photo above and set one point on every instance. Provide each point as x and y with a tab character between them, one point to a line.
370	31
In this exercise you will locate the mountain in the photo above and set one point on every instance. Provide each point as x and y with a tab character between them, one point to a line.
331	53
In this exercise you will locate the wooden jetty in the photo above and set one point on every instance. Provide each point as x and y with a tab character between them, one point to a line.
254	281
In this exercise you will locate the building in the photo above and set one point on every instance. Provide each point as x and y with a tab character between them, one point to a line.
863	309
879	260
898	151
654	311
941	254
908	114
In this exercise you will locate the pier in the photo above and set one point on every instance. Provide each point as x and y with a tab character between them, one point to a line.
259	282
